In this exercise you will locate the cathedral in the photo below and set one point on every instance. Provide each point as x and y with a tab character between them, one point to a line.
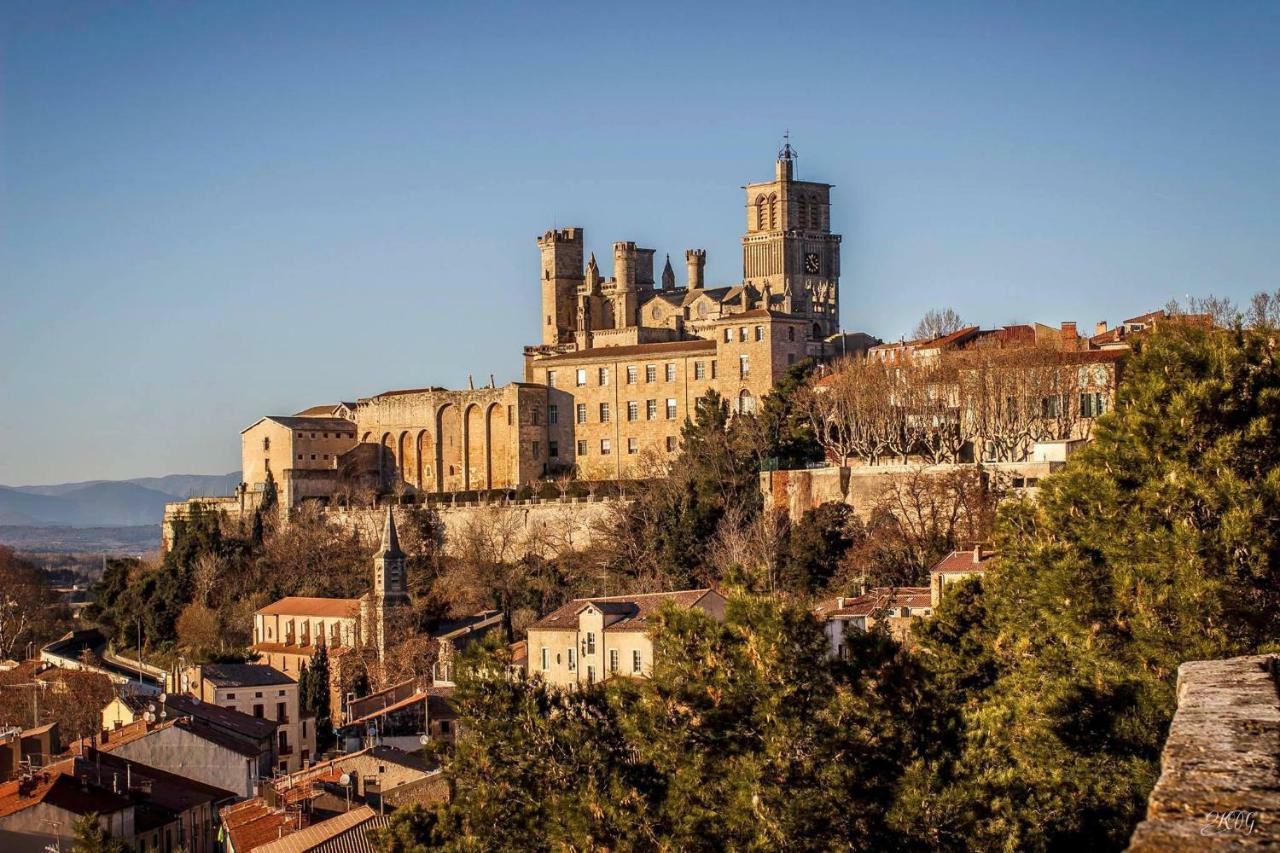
621	364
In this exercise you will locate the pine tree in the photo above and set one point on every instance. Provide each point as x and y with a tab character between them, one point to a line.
90	836
1155	545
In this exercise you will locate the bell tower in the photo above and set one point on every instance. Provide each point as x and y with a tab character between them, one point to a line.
789	247
390	588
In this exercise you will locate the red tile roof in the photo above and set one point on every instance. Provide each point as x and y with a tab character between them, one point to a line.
878	598
634	610
958	562
297	605
55	786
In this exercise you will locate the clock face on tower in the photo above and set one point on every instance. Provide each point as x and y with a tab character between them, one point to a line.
812	263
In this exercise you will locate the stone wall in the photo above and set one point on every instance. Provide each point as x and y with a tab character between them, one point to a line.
558	524
1219	786
799	490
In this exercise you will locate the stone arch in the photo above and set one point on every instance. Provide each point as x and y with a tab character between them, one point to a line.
817	331
403	456
761	221
496	467
474	446
386	458
746	403
368	437
422	451
449	449
773	211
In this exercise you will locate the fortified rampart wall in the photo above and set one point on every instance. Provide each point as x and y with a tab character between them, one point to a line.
542	525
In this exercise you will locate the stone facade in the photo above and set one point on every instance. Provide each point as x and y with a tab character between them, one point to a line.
621	364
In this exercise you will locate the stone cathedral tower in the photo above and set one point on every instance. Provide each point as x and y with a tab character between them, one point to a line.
789	248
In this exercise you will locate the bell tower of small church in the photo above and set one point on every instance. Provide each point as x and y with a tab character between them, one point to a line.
390	589
789	246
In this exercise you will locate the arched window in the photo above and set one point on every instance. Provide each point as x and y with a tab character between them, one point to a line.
773	211
815	213
760	213
746	403
817	332
802	213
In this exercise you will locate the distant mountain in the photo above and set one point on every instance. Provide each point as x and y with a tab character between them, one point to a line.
106	503
180	486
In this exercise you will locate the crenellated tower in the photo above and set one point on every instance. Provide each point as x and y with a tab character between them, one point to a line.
561	251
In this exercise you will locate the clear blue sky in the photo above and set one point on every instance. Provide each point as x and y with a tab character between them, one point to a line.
210	212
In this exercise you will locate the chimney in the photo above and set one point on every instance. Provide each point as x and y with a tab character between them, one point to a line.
1100	328
696	260
839	602
1070	338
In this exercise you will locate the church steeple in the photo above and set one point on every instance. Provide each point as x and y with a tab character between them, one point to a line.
389	583
668	276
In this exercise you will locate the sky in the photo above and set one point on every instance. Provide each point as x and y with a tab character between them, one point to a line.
211	212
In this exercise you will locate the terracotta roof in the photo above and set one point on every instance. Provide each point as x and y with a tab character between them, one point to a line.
634	610
253	823
305	840
948	340
878	598
415	699
243	674
958	562
113	739
296	605
54	786
638	350
1158	314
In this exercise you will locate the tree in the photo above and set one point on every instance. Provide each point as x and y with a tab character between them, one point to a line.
28	605
313	693
90	836
816	546
936	323
1156	545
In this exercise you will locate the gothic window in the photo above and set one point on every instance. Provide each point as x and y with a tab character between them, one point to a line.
815	214
760	213
773	211
802	212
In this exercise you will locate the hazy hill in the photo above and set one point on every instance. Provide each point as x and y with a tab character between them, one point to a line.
106	503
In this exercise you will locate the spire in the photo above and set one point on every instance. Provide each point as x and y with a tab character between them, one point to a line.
668	276
390	541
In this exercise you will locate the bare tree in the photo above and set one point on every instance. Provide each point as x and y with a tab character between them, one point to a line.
751	545
936	323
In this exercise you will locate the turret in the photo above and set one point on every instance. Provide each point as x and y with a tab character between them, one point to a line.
561	274
668	276
696	260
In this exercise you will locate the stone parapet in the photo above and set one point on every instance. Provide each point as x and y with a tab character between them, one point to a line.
1219	786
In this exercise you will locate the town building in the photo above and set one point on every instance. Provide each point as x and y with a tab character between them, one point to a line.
23	750
145	807
954	568
259	691
895	607
591	639
188	747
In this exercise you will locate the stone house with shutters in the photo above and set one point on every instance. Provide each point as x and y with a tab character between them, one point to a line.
592	639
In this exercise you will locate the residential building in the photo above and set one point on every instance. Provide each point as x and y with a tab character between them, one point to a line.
260	691
893	606
955	567
590	639
188	747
